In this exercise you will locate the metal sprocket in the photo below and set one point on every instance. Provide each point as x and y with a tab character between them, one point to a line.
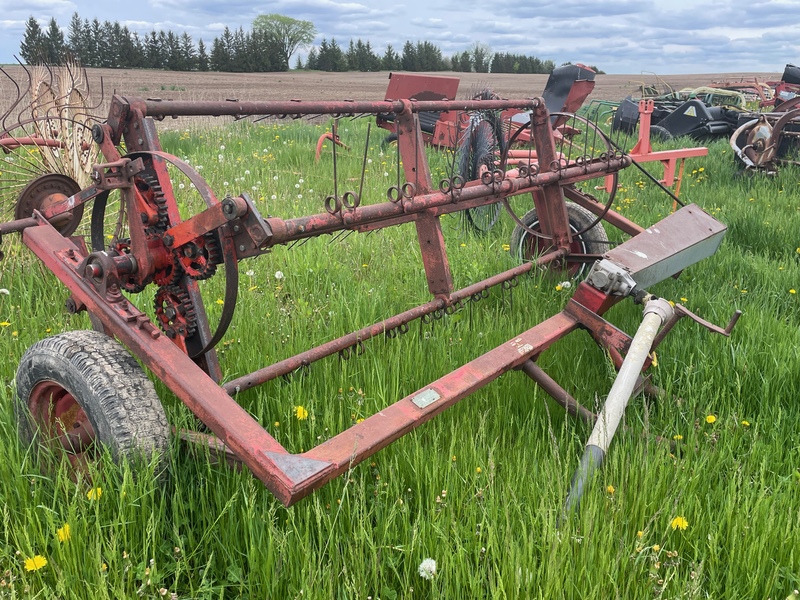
175	312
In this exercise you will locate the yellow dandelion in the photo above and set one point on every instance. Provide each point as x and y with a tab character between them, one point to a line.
64	533
4	323
656	548
301	413
360	420
677	437
640	534
745	423
220	301
94	493
277	423
711	419
610	489
684	299
506	247
792	291
679	523
559	288
35	563
454	458
478	470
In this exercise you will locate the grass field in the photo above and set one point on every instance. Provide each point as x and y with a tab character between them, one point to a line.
480	489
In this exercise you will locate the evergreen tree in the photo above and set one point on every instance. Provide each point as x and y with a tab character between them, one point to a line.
312	63
188	55
390	60
75	41
54	43
298	65
202	57
409	60
33	48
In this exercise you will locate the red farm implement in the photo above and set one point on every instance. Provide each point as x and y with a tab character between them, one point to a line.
70	387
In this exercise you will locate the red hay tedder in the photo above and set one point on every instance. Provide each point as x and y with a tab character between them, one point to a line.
83	390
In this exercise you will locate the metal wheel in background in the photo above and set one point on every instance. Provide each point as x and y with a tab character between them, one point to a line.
476	154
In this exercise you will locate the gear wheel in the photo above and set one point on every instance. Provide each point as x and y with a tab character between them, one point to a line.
175	312
200	257
153	193
169	275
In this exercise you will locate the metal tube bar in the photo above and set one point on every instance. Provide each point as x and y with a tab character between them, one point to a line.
293	363
559	394
656	312
284	231
189	108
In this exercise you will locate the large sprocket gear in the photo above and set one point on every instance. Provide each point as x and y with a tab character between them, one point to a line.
200	257
175	312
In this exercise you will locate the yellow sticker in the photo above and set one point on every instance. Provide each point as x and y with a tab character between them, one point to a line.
690	112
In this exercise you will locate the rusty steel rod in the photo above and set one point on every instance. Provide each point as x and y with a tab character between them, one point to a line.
330	348
234	108
288	230
559	394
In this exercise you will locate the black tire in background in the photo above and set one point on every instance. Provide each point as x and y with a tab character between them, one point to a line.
594	241
81	392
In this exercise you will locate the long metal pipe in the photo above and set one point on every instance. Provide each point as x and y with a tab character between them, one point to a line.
656	312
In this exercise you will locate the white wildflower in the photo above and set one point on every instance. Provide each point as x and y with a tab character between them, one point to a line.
427	568
250	273
279	275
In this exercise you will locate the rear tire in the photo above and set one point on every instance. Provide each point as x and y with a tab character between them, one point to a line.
80	392
527	247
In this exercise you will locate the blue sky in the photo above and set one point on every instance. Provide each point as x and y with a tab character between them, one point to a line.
619	36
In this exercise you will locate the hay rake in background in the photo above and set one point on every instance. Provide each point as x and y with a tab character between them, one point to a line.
69	391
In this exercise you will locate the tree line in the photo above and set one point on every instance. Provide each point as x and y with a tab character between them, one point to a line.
268	46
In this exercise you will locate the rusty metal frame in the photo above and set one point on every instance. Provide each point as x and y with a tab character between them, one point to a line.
187	364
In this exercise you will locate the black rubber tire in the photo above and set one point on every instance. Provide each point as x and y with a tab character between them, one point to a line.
594	241
389	140
477	148
68	379
660	133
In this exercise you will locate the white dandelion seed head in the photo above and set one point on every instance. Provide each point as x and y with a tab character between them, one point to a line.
279	275
181	186
275	178
274	197
385	174
300	180
247	172
4	292
254	188
297	185
565	285
299	196
222	146
250	273
225	183
369	161
427	568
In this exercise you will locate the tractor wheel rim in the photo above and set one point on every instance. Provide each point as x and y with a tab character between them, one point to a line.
63	421
532	247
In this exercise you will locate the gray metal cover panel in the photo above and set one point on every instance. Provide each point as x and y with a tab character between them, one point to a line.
674	243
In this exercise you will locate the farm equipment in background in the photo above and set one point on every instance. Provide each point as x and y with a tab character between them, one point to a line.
480	137
81	392
762	141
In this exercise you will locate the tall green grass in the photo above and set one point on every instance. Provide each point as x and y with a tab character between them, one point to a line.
480	489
